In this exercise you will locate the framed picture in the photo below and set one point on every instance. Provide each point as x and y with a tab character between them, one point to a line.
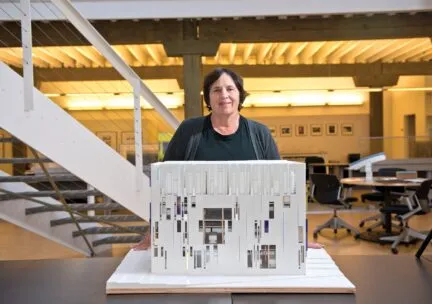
128	138
110	138
331	129
301	130
347	129
273	131
286	130
316	130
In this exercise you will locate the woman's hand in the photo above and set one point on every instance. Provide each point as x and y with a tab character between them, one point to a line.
315	245
144	244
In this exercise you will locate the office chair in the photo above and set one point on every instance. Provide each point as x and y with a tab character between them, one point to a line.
316	169
420	204
378	197
326	190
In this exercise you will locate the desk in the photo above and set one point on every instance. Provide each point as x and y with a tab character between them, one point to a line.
330	168
383	279
387	183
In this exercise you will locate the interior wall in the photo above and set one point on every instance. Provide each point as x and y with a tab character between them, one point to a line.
5	152
398	104
119	123
333	146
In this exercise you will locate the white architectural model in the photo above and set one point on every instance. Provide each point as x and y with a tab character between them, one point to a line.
233	218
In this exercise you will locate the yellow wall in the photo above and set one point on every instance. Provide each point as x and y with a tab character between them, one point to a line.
121	123
5	152
398	104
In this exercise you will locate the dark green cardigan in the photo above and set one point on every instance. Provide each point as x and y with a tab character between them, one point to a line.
186	139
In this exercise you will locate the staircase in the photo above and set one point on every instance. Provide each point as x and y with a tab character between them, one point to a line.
22	205
57	135
85	158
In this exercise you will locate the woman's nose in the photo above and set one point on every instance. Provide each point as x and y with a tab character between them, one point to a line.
224	92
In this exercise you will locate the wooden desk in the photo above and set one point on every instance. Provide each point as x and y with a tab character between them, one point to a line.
383	279
387	183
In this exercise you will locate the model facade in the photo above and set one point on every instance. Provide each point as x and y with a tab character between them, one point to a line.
228	218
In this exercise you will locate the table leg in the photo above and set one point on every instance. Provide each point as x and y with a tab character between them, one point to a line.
387	217
424	245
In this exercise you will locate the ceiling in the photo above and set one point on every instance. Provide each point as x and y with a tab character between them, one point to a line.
320	52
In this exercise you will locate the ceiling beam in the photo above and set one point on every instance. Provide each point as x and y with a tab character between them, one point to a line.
99	74
291	29
62	33
246	71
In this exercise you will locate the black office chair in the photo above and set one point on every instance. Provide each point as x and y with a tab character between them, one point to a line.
316	169
420	204
378	196
326	190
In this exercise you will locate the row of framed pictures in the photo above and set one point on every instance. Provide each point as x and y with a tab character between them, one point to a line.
329	129
110	138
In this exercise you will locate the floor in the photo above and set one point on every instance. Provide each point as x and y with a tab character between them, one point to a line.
19	244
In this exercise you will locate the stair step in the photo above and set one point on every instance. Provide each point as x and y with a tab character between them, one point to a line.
76	207
106	230
65	193
21	160
39	178
107	218
124	239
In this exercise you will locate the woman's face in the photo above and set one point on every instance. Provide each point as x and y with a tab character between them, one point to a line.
224	96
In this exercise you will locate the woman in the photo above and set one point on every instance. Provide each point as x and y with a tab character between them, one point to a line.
222	135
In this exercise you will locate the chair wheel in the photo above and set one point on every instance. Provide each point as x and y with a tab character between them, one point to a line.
315	235
361	224
349	230
334	231
394	250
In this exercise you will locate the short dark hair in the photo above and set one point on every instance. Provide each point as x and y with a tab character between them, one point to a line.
213	76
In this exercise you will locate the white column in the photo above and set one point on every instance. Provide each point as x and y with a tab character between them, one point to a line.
26	40
138	134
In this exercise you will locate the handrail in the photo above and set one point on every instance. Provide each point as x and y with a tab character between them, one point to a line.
96	39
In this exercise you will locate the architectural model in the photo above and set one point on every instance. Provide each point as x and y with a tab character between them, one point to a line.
229	218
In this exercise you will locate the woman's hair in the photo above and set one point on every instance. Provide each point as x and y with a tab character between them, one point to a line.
213	76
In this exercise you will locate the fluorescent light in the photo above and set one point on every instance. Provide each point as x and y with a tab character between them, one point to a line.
120	102
267	100
409	89
304	99
85	105
309	99
344	99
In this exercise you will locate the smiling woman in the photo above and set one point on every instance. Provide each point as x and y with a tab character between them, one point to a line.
224	134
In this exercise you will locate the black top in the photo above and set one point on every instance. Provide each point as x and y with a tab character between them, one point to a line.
186	139
378	279
215	146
